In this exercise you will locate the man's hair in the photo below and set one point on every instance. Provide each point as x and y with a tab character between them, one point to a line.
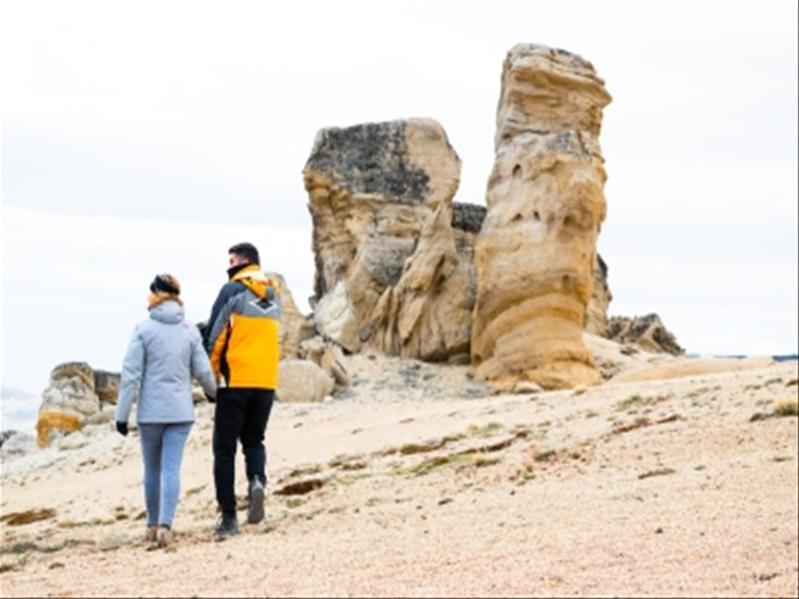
247	251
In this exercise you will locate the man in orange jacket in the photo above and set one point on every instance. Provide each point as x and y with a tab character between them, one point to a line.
242	342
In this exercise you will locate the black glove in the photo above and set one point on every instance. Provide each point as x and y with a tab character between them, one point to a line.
210	399
122	428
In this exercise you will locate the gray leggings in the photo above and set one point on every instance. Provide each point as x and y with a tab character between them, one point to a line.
162	452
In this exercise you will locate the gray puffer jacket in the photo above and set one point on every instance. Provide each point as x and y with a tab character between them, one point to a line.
165	352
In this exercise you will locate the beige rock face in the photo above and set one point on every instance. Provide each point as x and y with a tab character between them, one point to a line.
535	256
106	385
388	270
68	401
647	332
294	327
596	315
303	381
327	355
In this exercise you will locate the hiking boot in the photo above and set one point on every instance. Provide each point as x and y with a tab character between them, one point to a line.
165	536
150	535
228	525
255	511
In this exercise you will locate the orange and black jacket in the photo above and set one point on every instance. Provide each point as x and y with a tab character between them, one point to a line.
243	330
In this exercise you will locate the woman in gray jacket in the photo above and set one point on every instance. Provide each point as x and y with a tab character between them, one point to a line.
165	352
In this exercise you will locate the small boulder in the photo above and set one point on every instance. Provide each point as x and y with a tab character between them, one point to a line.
303	381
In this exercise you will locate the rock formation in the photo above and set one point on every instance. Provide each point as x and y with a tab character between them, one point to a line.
647	332
67	402
389	273
327	355
535	255
302	381
14	443
294	327
596	315
106	385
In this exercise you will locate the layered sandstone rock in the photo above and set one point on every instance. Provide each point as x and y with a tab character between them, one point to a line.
596	314
294	327
647	332
68	401
535	256
389	272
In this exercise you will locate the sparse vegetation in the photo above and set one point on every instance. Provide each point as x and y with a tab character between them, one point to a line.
474	459
785	407
632	402
546	455
657	472
194	490
27	517
482	431
782	408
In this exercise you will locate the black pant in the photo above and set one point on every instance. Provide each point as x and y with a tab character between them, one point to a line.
241	414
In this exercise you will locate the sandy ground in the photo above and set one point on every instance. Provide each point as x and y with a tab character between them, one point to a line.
420	481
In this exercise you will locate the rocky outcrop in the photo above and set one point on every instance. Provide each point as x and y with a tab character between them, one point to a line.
294	327
535	255
302	381
389	273
647	332
67	402
14	443
106	385
596	314
427	313
327	355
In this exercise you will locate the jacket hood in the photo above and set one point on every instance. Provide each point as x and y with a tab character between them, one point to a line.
168	312
256	281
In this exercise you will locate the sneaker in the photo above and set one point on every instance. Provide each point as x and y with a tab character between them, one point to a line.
228	525
150	535
255	511
165	536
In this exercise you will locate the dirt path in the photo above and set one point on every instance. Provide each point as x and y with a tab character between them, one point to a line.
664	487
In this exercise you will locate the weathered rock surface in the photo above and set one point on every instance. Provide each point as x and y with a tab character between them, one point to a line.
387	261
14	443
596	314
647	332
467	220
335	318
303	381
327	355
536	253
294	327
68	401
106	385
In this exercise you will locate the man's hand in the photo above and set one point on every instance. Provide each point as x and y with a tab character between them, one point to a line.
122	428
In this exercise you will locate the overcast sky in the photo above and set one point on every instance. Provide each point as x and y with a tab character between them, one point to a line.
142	137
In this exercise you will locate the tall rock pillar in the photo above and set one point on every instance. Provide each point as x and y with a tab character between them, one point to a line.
536	253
